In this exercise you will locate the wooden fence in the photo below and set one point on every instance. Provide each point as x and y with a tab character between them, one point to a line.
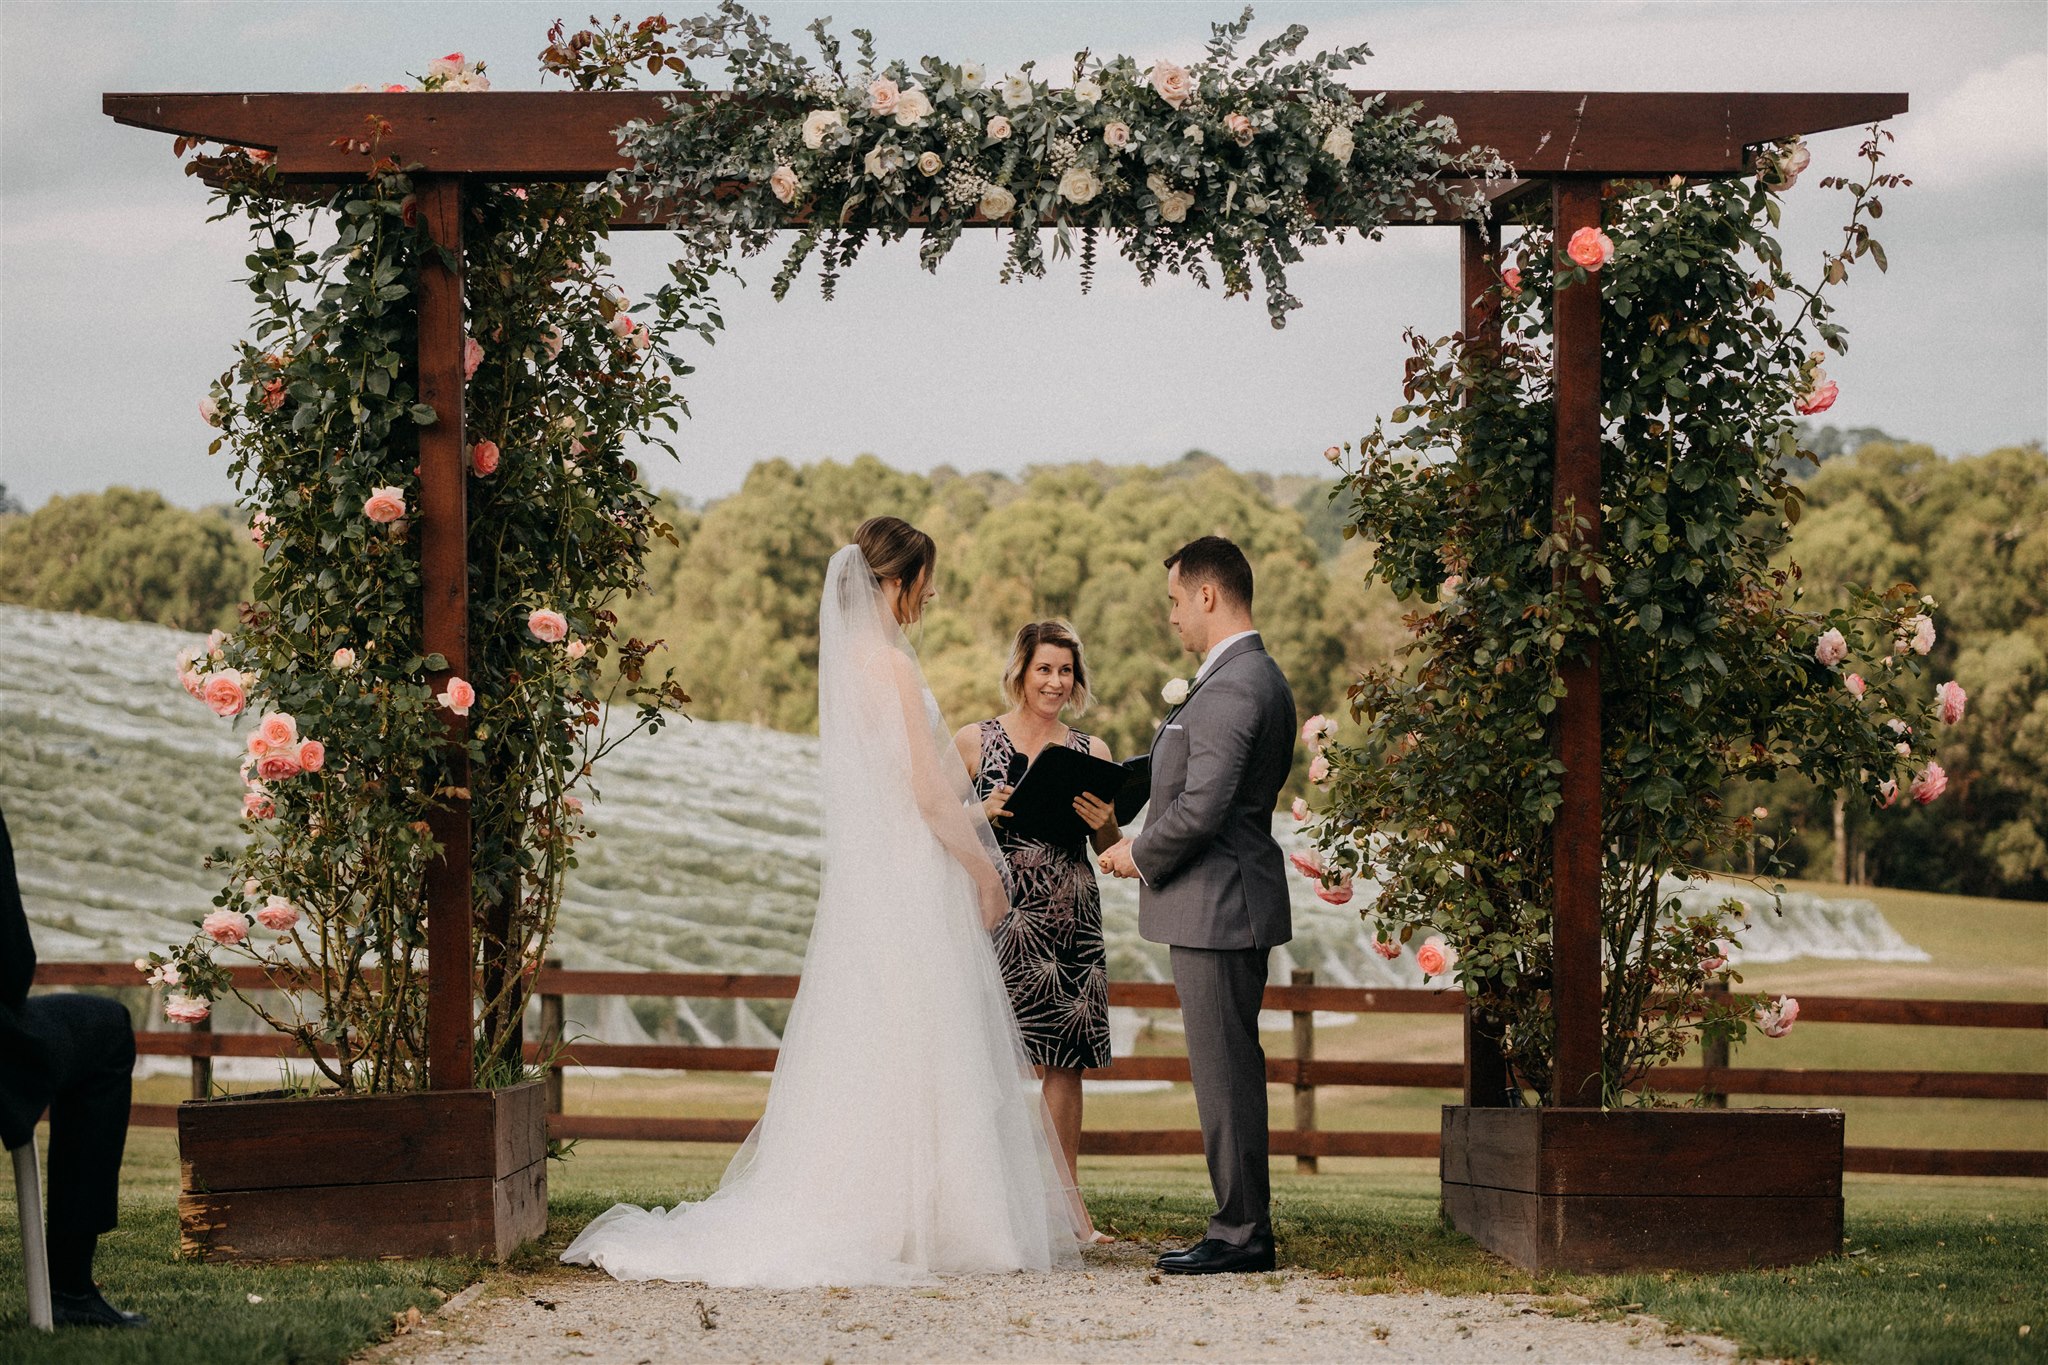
1302	1071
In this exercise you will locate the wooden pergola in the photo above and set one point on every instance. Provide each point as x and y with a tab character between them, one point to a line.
1565	143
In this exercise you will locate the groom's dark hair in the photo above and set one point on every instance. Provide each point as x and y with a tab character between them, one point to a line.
1220	564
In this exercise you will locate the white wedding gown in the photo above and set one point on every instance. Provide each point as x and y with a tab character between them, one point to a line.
904	1136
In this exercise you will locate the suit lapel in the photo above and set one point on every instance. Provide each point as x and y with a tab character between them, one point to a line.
1244	646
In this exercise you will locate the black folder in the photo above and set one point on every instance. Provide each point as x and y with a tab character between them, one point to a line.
1042	806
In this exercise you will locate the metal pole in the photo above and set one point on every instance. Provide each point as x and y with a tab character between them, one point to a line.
1575	835
443	522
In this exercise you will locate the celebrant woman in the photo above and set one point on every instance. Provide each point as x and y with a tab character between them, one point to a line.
1050	944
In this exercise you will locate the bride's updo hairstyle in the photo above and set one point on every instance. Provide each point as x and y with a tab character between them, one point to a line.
895	549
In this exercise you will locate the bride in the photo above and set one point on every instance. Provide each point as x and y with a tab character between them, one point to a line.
903	1136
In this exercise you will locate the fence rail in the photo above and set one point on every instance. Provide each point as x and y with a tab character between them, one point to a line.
1303	1071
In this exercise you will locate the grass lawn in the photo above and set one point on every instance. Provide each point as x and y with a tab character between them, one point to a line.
1936	1271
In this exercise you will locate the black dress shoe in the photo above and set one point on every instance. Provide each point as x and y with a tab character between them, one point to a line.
1221	1258
90	1310
1184	1252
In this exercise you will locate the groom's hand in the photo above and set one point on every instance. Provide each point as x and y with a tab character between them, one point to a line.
1116	860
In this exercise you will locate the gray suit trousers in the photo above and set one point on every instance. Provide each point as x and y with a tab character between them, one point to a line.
1220	990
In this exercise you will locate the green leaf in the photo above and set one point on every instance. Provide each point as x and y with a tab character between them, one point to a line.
424	414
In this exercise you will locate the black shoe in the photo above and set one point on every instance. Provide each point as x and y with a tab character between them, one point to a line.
1221	1258
90	1310
1184	1252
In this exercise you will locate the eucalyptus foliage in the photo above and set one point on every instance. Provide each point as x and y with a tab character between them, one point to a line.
1711	667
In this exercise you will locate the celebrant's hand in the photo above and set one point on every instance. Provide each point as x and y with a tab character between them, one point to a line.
992	805
1116	860
1097	813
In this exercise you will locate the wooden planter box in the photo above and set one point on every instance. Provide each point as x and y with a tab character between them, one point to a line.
438	1173
1645	1189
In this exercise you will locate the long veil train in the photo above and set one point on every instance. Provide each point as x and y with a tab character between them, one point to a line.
904	1135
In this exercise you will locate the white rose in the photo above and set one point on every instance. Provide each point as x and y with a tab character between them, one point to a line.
1079	185
818	123
1156	183
1174	206
1088	90
882	95
1016	91
1339	144
1193	133
882	162
912	107
1175	692
973	75
929	163
997	203
998	129
1117	134
1173	83
782	183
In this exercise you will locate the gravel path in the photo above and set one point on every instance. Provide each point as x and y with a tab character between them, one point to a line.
1117	1309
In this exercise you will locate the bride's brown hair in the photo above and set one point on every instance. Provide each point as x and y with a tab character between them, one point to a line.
895	549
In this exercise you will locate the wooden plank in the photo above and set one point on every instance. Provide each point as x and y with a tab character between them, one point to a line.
265	1142
569	135
1576	847
1948	1085
1606	1234
1502	1221
662	1056
1946	1161
405	1218
641	1128
520	1118
1490	1147
519	1207
692	985
1691	1152
443	529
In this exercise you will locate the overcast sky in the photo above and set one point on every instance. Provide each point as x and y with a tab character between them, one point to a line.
118	301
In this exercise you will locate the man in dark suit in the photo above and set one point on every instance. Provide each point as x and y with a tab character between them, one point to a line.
1215	883
72	1055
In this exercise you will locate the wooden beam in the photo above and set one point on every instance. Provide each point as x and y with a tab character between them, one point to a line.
443	529
1575	831
565	135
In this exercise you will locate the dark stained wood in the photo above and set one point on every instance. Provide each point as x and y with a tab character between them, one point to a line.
563	135
1950	1085
434	1173
1575	831
1304	1022
640	1128
1599	1234
1946	1161
443	529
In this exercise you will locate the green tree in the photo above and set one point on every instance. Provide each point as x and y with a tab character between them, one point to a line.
130	555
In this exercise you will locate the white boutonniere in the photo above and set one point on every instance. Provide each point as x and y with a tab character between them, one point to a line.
1175	692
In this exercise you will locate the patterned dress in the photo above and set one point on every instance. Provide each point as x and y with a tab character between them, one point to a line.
1050	944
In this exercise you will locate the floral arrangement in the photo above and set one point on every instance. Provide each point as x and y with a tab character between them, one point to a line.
1712	666
1229	164
347	753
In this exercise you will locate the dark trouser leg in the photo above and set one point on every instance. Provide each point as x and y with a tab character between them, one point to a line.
91	1059
1220	990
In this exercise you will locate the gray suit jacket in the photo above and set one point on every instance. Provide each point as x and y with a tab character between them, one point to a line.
1213	875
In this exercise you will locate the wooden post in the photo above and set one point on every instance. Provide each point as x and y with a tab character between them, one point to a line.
551	1039
1575	834
443	529
1714	1052
1304	1093
202	1064
1486	1069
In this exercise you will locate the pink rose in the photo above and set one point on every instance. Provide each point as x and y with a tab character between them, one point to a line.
1335	895
277	913
384	505
1317	731
1386	948
259	527
397	88
882	95
190	681
1817	399
782	183
185	1009
312	756
1319	770
1173	83
227	927
1952	700
1831	649
1930	784
1511	282
998	129
472	356
1240	128
1299	810
573	804
458	697
1761	813
576	649
1334	454
209	411
272	395
223	691
1307	862
1923	633
1776	1019
1434	956
344	658
621	325
1854	682
1116	134
280	729
1591	248
1714	963
276	767
258	745
549	626
1887	792
483	457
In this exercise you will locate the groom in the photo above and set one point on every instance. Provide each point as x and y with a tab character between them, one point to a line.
1215	883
